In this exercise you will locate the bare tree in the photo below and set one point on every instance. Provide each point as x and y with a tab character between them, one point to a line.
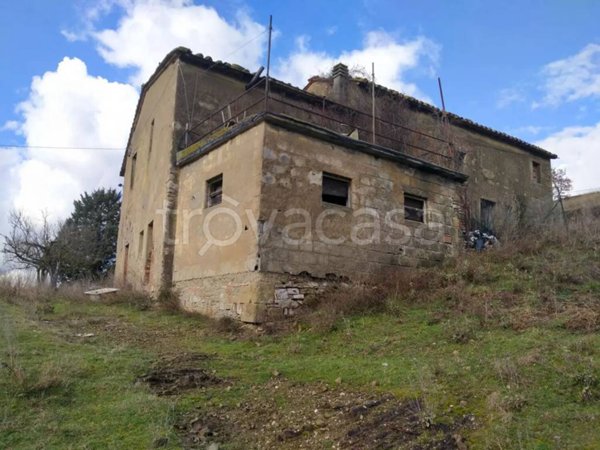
561	182
562	186
34	246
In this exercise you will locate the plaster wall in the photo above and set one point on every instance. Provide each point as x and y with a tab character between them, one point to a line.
216	249
144	197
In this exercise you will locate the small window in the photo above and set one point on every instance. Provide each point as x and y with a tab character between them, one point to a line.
149	252
536	172
335	189
151	138
132	174
126	263
414	208
140	243
487	215
214	191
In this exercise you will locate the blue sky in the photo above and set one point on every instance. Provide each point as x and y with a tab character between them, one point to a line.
71	71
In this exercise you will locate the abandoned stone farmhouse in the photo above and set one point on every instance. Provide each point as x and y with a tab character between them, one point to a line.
245	194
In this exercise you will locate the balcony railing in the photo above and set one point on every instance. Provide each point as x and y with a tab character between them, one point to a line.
435	146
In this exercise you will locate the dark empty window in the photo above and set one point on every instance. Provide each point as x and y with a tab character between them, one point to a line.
140	244
487	215
151	137
414	208
536	172
335	189
132	174
214	191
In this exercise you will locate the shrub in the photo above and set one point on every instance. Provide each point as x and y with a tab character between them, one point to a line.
227	325
168	300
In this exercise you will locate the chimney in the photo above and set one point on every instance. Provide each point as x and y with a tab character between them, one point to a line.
340	76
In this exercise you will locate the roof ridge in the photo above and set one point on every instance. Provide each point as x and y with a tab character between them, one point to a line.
456	117
231	69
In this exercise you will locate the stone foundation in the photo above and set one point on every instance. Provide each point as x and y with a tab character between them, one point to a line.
252	297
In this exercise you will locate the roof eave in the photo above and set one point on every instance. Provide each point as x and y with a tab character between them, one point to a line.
172	56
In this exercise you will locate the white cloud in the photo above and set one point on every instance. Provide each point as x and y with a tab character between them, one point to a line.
509	96
72	36
9	161
89	11
10	125
579	151
149	29
70	108
573	78
393	59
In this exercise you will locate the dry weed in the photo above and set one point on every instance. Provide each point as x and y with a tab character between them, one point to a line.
581	318
508	372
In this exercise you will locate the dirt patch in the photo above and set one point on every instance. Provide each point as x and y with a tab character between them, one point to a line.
401	424
180	373
287	415
200	430
114	329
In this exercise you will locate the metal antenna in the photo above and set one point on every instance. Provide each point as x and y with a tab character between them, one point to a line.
268	62
373	97
442	95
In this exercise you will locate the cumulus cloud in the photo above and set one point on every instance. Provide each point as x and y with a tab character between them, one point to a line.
573	78
9	161
579	151
149	29
392	58
69	107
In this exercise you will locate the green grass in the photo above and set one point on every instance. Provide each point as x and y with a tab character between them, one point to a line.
517	399
530	380
95	405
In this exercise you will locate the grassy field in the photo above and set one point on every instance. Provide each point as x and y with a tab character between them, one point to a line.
499	350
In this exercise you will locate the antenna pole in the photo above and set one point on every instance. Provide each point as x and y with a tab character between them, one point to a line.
268	62
373	97
442	95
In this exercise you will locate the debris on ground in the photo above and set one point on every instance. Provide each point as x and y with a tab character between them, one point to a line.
174	375
97	294
345	419
480	240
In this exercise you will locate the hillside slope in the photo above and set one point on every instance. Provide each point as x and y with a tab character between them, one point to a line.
494	350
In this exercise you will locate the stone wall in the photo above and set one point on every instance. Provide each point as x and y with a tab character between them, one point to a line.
306	235
272	182
273	241
503	174
498	171
230	295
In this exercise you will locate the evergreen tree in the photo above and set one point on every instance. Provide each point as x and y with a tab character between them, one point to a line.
90	235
